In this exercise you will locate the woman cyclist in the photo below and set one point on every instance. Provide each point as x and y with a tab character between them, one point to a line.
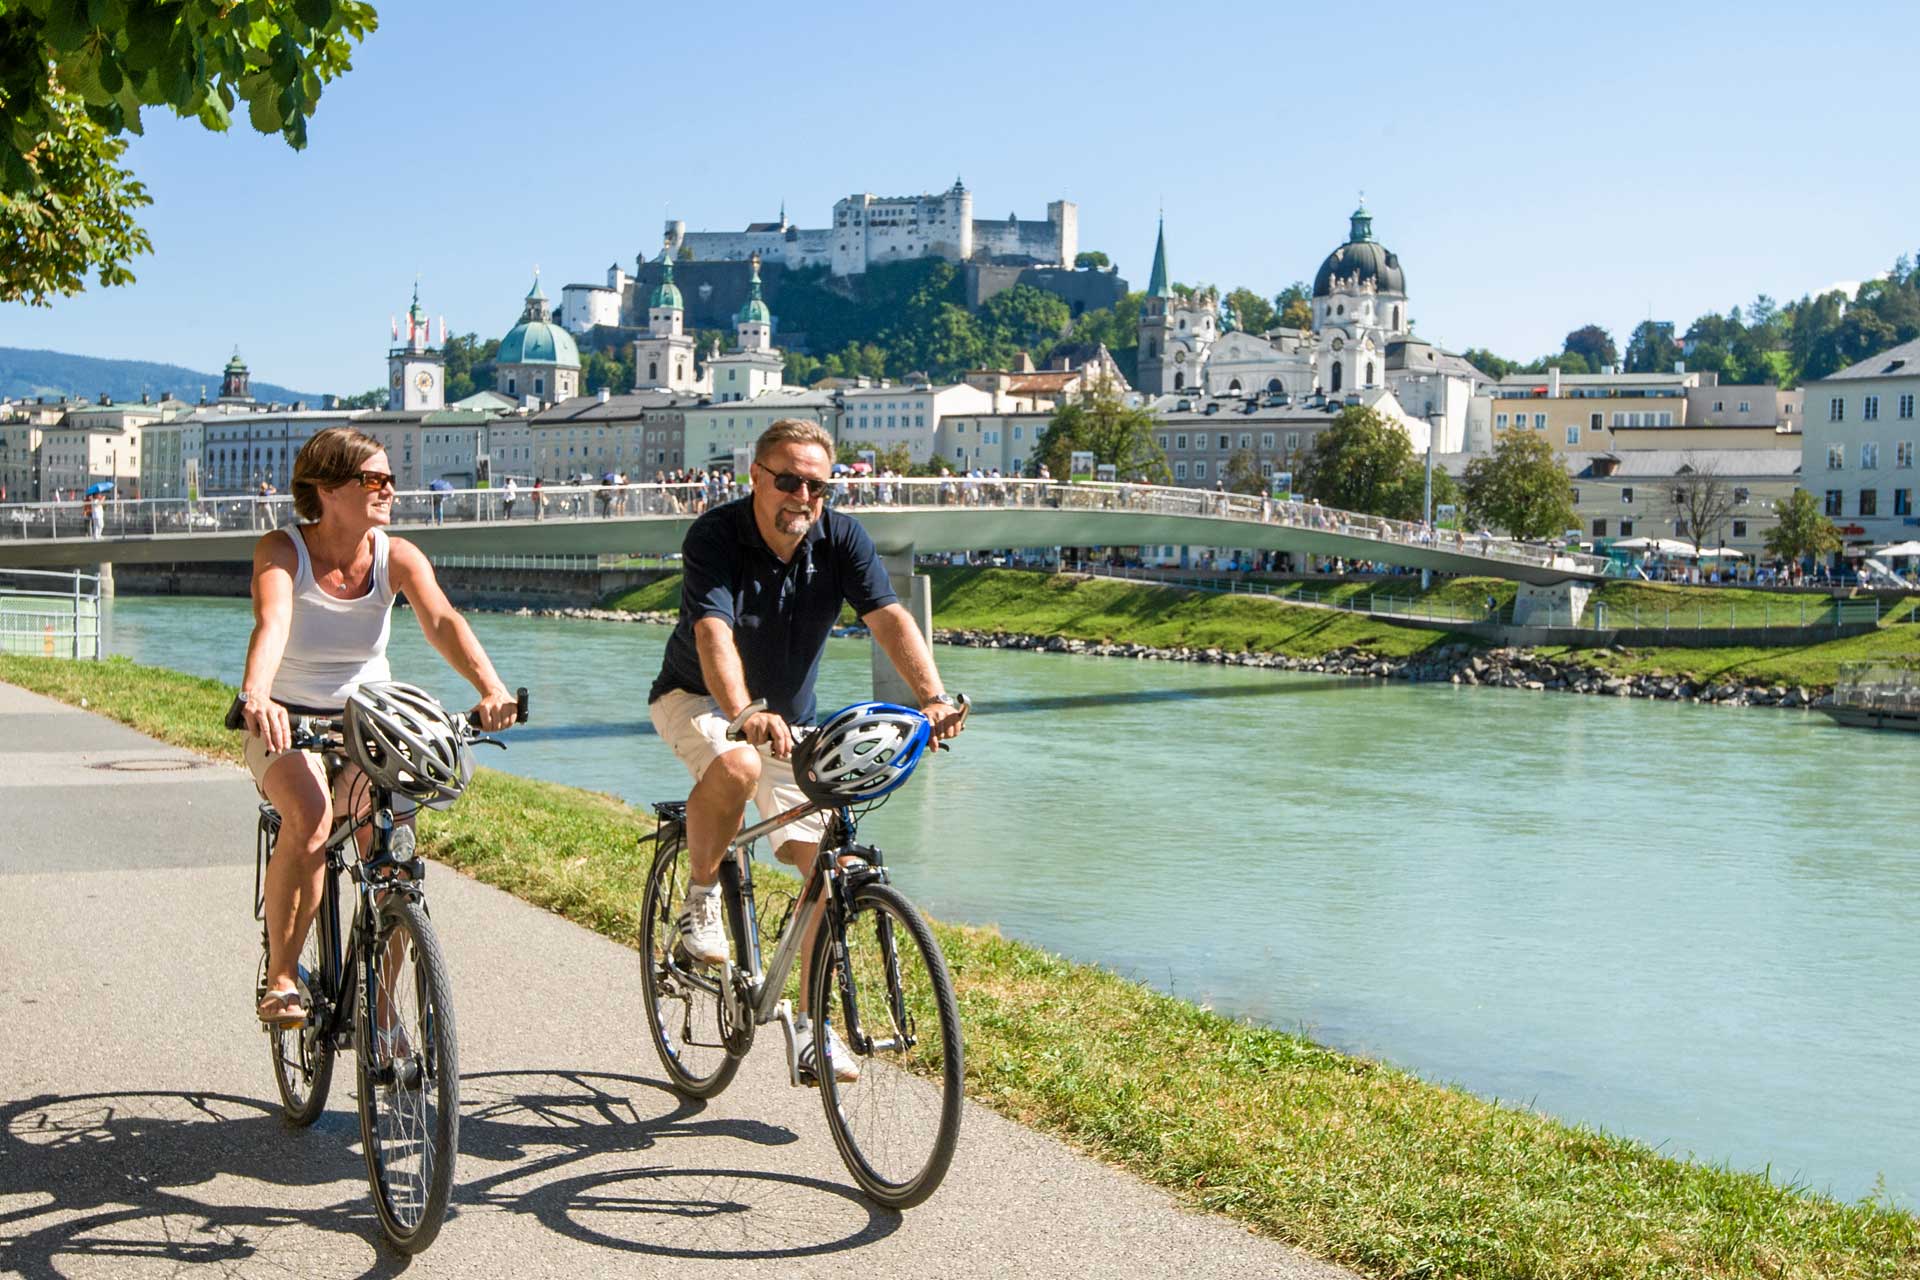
322	606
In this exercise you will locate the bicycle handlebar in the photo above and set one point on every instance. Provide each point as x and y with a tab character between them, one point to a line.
797	732
320	732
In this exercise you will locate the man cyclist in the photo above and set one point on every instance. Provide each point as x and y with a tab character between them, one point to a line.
764	579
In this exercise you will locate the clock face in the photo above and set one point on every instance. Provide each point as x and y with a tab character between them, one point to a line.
423	380
396	382
1339	343
1180	357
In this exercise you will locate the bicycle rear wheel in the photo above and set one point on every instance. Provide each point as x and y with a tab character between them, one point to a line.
409	1075
889	997
684	1016
302	1056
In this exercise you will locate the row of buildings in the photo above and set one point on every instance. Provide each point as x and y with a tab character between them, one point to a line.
1216	390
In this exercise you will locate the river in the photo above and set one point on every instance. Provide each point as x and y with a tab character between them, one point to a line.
1695	926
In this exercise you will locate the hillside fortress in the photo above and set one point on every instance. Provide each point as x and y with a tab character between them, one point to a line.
869	230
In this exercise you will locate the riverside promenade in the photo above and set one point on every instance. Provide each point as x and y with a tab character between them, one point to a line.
139	1128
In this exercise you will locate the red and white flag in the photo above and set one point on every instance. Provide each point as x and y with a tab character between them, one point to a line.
393	323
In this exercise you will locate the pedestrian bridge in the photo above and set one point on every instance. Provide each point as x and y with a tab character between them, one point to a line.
904	516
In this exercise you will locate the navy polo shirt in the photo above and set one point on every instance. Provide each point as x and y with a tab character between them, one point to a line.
781	612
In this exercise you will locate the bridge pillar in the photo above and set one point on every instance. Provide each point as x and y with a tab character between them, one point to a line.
105	570
916	594
1559	605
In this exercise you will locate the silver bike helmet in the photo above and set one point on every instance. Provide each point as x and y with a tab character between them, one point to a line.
860	753
405	741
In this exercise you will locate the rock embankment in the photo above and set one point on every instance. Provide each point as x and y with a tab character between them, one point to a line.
1453	663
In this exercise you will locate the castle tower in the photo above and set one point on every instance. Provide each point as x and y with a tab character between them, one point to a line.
665	357
416	372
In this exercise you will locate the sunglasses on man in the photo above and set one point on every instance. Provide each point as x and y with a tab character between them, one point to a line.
787	482
374	481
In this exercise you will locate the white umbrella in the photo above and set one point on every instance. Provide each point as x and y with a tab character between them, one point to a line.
1634	544
1723	553
1898	549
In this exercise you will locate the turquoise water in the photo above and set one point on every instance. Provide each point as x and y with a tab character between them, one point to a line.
1696	926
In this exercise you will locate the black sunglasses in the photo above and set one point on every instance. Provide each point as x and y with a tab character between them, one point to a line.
787	482
373	481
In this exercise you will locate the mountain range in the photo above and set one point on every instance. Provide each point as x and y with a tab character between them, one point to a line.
26	372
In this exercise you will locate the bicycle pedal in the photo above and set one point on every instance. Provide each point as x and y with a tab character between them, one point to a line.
783	1014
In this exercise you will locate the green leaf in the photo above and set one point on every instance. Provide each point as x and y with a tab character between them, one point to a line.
263	113
213	114
315	13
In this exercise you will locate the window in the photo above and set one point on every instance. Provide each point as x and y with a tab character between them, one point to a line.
1499	422
1740	497
1719	406
1746	406
1018	430
1903	453
1179	471
1539	422
1266	439
1680	527
1906	405
1223	439
1200	470
1666	419
1833	506
1246	440
1626	528
1626	496
1739	528
1836	457
1869	408
1869	455
1266	470
1573	434
1293	441
1576	497
1599	528
1593	422
1161	439
1180	441
1903	502
1837	409
1869	502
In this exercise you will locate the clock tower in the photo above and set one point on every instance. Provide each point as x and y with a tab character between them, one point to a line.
416	372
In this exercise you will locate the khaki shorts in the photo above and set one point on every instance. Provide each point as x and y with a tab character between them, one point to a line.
692	725
259	760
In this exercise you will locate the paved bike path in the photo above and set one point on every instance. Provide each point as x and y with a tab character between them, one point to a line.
139	1126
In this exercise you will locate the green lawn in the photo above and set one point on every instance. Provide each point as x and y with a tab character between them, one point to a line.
1352	1160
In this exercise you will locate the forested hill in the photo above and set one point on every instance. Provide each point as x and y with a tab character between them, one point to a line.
25	372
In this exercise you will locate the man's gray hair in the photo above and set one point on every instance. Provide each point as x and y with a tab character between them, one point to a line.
793	431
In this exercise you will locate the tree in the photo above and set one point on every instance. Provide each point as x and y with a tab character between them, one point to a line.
1251	312
1594	345
1701	502
74	79
1652	349
1294	305
1242	476
1803	529
1363	462
1091	260
1495	367
468	363
1521	488
374	399
1099	422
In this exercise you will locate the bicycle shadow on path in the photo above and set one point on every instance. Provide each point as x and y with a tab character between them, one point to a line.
136	1181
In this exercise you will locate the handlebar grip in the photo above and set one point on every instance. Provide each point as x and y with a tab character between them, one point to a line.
520	705
236	717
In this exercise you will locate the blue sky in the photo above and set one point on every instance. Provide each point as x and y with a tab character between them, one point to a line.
1535	169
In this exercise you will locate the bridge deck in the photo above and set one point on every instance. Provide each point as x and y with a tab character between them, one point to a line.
923	515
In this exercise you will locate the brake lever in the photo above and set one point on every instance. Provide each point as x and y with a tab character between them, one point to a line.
492	742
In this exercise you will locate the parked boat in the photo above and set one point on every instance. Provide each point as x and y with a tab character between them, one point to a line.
1876	695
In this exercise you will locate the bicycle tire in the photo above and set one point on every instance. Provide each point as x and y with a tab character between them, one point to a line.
684	1018
302	1056
409	1088
898	1125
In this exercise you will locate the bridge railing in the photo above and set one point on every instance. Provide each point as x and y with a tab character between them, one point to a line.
118	518
55	615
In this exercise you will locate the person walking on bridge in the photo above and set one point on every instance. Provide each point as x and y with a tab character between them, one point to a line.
323	595
764	579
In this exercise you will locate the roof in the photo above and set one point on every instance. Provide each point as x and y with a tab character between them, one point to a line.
538	342
1599	379
1157	286
668	294
1043	380
1438	360
1361	261
594	409
486	402
1902	361
1663	464
423	417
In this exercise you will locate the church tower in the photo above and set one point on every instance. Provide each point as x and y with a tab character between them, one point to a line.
233	382
755	367
1155	360
664	358
416	372
754	325
1359	306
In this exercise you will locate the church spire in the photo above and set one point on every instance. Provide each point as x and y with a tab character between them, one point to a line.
1157	286
1360	225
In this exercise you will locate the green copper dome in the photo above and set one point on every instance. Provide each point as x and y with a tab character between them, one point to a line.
536	339
755	310
668	294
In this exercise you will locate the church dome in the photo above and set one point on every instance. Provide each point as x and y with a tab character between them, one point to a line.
755	310
536	339
668	294
1361	259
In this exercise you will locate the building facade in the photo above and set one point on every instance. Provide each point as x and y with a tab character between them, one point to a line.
1643	493
1614	412
1858	438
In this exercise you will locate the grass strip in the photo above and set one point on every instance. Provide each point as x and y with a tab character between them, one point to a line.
1354	1161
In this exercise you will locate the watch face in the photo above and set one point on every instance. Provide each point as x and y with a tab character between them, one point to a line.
423	380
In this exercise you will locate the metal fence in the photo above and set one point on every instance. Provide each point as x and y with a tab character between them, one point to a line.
1382	604
54	615
1790	612
115	518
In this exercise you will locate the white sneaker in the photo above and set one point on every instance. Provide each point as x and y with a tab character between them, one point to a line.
846	1069
699	925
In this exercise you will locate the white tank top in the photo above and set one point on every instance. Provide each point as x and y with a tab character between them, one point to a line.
333	645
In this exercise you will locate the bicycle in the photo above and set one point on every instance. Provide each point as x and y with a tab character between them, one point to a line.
896	1127
357	996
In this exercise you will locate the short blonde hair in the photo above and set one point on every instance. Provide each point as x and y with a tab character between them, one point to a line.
326	461
793	431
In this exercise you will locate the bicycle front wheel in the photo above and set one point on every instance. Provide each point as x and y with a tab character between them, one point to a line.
302	1056
684	1015
887	994
409	1075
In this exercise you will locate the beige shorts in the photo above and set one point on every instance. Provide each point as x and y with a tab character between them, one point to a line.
692	725
259	760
